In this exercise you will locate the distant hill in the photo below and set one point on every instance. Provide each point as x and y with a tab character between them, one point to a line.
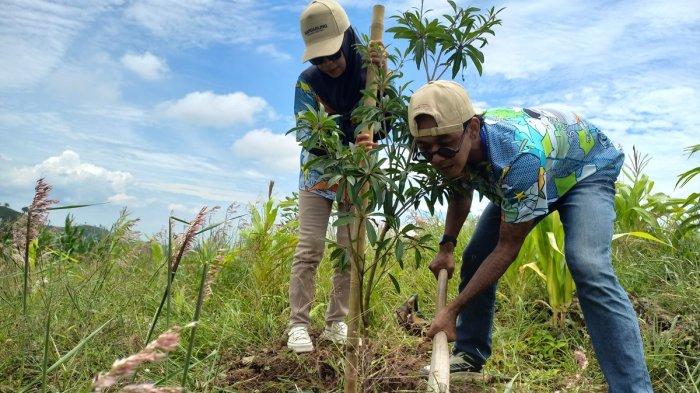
90	230
8	214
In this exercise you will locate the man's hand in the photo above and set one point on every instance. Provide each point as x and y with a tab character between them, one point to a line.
445	321
377	54
365	141
443	260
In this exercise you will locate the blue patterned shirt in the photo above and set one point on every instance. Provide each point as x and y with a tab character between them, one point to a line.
535	155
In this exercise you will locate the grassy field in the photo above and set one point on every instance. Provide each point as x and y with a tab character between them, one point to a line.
118	282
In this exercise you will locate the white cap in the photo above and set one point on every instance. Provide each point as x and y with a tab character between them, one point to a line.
445	101
323	25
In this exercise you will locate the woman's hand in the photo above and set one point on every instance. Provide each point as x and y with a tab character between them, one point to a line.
445	321
365	141
377	54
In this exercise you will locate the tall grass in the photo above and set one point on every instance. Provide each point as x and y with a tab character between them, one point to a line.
186	241
103	294
26	232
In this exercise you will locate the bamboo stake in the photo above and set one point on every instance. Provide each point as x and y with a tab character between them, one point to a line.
358	245
439	376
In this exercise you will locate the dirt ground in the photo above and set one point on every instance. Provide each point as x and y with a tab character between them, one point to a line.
276	369
383	369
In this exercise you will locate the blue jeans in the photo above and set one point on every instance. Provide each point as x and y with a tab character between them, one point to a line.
587	212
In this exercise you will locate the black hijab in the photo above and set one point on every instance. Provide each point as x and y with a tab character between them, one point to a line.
343	93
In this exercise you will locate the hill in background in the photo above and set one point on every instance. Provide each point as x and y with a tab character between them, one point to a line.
7	214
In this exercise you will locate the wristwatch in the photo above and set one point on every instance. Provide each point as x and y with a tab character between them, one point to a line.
448	239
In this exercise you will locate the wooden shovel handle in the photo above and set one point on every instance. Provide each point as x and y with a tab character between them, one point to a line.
442	289
439	376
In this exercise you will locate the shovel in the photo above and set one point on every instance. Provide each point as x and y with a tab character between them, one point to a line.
439	375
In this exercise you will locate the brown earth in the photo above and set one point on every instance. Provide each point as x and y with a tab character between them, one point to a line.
276	369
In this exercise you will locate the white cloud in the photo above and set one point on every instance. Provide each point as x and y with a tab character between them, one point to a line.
270	150
178	207
206	190
4	157
68	169
35	36
82	85
122	199
201	22
537	37
215	110
173	163
146	65
272	51
647	112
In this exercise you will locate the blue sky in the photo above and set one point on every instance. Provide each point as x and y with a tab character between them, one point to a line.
170	105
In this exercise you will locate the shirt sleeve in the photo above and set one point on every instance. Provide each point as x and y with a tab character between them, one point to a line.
303	96
524	189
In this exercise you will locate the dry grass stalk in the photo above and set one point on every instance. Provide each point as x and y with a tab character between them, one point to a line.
189	235
149	388
27	227
212	274
122	368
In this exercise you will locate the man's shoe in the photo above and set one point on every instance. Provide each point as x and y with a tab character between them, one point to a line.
299	340
462	367
337	333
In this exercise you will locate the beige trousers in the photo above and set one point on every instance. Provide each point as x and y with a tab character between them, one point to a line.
314	212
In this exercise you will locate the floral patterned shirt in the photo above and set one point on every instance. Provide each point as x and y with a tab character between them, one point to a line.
535	155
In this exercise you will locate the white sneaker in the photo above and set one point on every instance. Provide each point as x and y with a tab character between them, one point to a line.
299	340
337	333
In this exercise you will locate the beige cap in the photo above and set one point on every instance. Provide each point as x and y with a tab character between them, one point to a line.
323	24
446	101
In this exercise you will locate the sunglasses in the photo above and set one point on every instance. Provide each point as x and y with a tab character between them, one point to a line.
319	60
444	151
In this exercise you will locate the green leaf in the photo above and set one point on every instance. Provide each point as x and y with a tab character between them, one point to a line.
394	281
409	227
456	63
641	235
533	266
371	233
180	220
553	243
76	206
477	63
156	252
210	227
344	220
68	354
399	250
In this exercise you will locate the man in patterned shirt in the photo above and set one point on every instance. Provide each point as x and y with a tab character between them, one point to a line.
528	163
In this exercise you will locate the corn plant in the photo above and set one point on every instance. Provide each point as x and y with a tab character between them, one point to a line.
690	220
546	244
640	209
632	201
543	253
